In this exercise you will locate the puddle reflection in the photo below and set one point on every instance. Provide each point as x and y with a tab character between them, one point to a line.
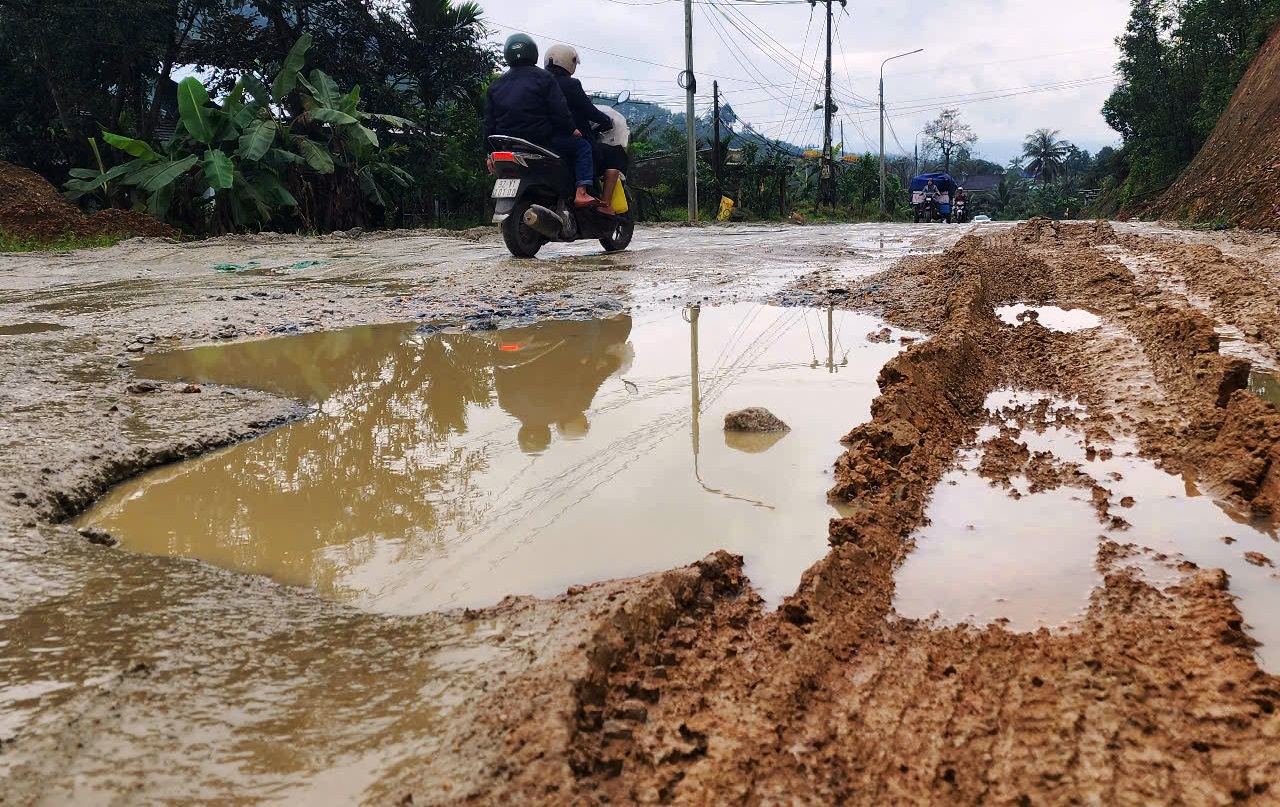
454	469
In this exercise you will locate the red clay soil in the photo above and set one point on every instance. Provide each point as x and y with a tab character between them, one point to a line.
1234	178
32	210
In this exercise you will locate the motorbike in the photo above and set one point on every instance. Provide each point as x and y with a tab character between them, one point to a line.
533	201
960	211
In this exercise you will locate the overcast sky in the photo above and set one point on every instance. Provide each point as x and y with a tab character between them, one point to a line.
974	51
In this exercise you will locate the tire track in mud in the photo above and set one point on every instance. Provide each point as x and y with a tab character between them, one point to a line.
1154	695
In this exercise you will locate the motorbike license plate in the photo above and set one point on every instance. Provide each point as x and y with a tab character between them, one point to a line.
505	188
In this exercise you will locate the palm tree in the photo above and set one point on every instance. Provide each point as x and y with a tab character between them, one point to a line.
1047	154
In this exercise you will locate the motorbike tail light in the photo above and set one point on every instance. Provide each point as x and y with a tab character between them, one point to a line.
504	157
509	348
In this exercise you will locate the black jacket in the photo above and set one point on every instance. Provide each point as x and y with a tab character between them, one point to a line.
526	102
584	112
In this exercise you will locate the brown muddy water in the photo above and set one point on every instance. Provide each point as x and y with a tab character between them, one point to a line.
27	328
451	470
983	557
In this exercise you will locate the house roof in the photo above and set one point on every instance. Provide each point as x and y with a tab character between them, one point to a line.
979	183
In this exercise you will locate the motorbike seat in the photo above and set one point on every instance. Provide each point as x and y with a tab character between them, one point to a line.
518	144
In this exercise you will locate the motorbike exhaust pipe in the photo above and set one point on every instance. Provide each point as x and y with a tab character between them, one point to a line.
543	221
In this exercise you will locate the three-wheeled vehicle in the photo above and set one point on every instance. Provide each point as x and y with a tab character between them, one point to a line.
932	206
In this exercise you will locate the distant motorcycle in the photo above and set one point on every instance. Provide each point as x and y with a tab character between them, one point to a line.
960	211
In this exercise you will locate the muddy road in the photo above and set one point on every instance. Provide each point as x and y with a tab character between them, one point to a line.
402	520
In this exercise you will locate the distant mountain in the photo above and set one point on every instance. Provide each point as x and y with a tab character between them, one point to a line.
639	113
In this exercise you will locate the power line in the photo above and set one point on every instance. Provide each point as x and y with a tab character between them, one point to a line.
778	52
611	53
856	124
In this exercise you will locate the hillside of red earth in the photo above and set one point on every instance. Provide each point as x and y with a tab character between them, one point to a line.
32	210
1235	177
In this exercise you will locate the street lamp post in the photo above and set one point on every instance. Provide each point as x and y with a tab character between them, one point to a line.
882	169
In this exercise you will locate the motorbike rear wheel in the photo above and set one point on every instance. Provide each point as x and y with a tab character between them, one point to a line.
620	237
522	240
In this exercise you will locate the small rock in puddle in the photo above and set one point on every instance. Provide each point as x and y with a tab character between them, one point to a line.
754	419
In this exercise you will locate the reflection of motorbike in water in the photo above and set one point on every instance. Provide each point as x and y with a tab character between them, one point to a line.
548	374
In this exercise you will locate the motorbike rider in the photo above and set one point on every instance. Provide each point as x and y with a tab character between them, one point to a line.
931	194
562	62
961	202
526	102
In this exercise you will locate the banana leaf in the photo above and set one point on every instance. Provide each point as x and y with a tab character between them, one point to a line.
193	110
257	139
287	157
169	171
275	191
261	95
332	117
364	136
392	120
219	171
316	156
325	89
287	80
370	187
351	101
134	148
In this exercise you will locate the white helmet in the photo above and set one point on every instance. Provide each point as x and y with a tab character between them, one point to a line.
564	57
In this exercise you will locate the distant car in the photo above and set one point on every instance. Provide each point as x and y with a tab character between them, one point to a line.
981	218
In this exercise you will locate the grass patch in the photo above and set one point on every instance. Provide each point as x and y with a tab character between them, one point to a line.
11	243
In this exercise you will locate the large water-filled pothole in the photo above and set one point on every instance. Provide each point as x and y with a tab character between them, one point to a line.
453	469
1022	532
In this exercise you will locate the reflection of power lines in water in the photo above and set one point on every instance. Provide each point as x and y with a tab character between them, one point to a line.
547	501
720	382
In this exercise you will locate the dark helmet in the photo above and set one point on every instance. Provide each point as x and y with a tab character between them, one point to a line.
520	49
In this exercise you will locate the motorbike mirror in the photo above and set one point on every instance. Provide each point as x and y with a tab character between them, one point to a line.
623	97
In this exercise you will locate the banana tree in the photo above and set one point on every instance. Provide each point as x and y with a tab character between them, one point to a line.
231	167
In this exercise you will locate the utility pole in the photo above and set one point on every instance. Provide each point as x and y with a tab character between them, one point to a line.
715	94
691	316
831	333
827	175
691	88
882	167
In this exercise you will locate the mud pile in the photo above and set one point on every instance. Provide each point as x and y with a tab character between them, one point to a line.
1233	180
31	210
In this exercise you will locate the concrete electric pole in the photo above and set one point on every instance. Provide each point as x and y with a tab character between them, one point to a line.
715	153
690	85
882	166
827	175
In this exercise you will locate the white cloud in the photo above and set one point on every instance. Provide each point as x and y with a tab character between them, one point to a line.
973	51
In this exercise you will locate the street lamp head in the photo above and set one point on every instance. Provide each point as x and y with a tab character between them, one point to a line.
899	56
